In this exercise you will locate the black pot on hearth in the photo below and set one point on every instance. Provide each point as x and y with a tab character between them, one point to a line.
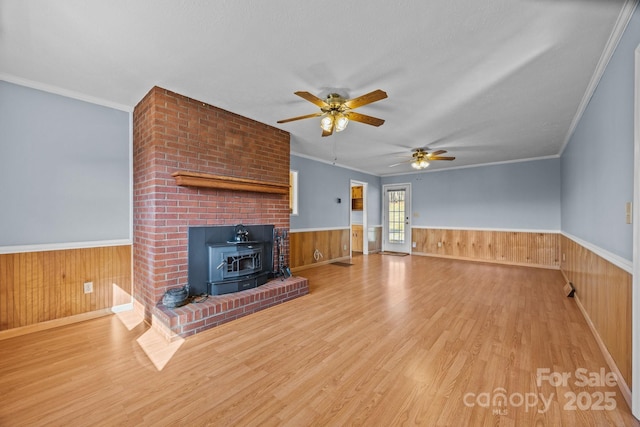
176	297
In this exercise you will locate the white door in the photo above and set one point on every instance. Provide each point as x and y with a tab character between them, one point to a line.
397	226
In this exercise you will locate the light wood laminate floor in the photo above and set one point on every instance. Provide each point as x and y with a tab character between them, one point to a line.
387	341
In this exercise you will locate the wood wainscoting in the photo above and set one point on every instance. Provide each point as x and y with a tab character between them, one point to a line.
604	294
331	245
535	249
38	287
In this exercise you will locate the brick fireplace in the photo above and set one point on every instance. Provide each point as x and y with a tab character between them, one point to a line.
173	134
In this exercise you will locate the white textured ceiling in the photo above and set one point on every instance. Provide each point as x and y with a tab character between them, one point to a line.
489	81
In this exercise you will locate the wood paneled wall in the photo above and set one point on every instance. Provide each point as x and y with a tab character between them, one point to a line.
37	287
604	292
507	247
332	244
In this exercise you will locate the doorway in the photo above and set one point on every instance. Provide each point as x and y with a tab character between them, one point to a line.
396	228
358	218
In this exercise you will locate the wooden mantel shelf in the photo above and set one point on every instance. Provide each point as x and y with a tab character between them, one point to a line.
197	179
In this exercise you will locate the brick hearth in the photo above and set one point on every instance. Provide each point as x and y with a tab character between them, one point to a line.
216	310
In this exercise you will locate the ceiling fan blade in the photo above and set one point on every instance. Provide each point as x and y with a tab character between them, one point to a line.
441	158
312	98
362	118
436	153
365	99
308	116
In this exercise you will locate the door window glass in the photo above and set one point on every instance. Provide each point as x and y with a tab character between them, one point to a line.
395	203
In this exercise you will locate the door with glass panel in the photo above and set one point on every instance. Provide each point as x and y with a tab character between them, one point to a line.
396	223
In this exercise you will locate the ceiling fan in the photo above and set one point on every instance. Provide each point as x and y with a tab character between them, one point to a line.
336	111
421	157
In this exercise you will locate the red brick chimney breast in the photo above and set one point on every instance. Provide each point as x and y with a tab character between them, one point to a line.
173	133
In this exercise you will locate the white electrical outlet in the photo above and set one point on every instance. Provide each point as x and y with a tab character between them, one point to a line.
413	244
88	287
439	244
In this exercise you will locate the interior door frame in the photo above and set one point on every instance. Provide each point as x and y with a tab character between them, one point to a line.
635	291
385	225
365	240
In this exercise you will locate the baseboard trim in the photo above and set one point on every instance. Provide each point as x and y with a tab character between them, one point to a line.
56	323
50	324
622	384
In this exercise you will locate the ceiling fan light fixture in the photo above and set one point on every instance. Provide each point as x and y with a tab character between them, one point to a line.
327	123
341	123
420	158
335	111
419	164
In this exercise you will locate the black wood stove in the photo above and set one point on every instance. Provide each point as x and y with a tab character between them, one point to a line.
226	259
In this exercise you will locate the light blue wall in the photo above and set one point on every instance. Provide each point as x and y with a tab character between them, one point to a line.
597	164
319	187
515	196
64	169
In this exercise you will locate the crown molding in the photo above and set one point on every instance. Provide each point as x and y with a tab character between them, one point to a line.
64	92
614	38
